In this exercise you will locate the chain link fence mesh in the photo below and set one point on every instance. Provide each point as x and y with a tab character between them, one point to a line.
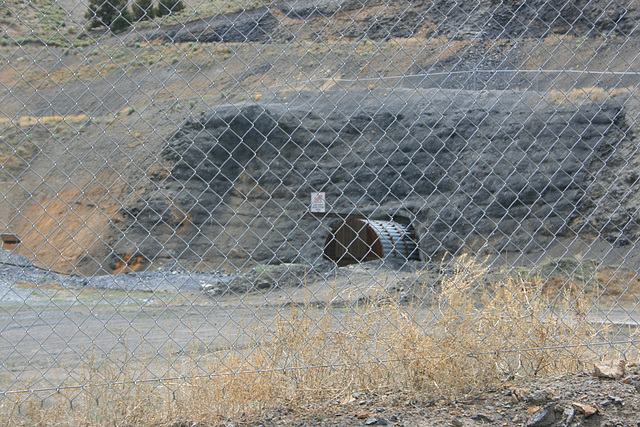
298	197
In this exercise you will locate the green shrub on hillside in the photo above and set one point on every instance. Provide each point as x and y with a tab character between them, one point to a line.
166	7
142	10
109	13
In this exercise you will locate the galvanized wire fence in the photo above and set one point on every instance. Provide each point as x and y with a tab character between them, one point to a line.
298	197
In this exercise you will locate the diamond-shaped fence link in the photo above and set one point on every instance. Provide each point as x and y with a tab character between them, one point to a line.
268	200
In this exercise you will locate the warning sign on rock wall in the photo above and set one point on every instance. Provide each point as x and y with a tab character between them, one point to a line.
318	203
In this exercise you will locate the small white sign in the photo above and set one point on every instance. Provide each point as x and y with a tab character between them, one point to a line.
318	203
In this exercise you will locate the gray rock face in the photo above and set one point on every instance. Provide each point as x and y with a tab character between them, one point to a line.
478	19
497	171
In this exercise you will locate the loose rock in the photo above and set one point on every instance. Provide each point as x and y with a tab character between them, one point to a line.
544	417
588	410
610	369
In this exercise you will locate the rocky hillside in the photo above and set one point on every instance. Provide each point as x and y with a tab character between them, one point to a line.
201	142
488	171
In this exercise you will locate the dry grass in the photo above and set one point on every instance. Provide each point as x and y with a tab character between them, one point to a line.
585	95
475	335
44	120
610	285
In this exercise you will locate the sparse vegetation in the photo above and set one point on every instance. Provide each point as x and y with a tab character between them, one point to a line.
209	8
609	284
18	145
475	335
46	21
586	94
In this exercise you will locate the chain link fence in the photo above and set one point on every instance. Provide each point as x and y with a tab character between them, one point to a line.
278	200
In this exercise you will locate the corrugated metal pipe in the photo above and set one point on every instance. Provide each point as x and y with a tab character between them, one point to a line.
359	240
